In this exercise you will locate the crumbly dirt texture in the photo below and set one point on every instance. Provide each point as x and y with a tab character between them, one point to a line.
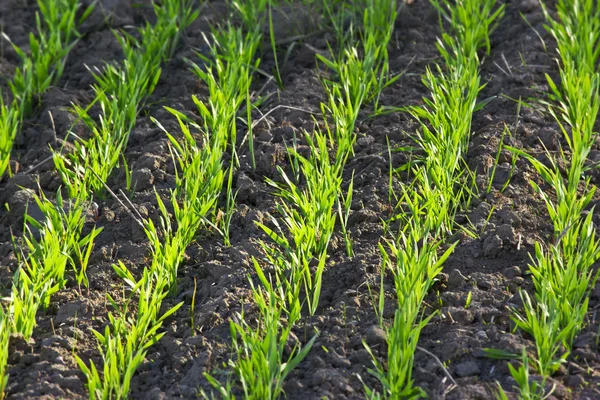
493	267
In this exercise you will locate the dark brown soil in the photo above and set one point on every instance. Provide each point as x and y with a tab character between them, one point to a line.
492	267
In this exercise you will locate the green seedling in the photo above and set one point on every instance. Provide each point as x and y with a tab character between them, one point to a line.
192	310
277	73
529	389
358	78
126	340
469	299
252	12
261	365
378	299
496	159
52	245
199	179
445	119
10	121
56	25
308	215
371	68
5	331
414	268
94	159
359	74
228	77
562	279
344	204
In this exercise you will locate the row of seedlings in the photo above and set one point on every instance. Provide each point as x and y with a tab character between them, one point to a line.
42	66
361	75
199	163
55	242
121	90
439	187
562	271
46	249
49	245
258	351
120	93
229	77
295	260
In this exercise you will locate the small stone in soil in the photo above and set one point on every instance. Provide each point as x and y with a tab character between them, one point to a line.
516	300
67	312
585	340
467	368
484	283
317	362
149	161
71	383
575	381
492	246
340	362
362	357
512	272
506	233
459	314
527	6
452	298
155	394
456	279
49	354
365	141
375	337
142	179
